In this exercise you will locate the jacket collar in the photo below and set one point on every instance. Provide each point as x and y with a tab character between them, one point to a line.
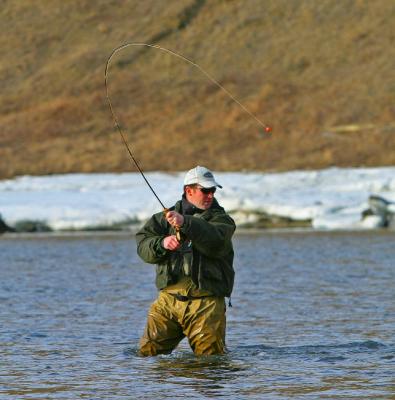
188	208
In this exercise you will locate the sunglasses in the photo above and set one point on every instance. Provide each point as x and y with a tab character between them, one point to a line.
207	190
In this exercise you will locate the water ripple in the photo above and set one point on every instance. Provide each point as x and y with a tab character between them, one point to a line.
310	319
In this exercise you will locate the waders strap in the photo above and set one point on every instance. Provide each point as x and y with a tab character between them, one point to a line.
180	297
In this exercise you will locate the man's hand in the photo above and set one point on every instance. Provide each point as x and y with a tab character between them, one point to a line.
171	243
174	218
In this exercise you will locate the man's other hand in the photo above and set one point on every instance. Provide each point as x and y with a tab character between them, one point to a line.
171	243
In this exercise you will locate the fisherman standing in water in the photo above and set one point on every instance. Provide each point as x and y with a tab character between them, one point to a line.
191	245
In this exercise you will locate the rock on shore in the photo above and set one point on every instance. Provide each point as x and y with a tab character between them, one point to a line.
4	227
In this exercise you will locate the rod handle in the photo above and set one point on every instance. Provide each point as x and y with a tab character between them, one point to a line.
177	228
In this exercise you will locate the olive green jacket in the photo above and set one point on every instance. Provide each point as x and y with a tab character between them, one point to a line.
210	234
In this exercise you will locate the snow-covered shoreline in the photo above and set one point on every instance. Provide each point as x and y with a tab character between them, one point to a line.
331	199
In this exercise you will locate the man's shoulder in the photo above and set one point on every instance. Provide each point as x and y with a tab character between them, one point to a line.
218	212
217	209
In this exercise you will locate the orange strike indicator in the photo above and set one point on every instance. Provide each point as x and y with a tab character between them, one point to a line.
267	130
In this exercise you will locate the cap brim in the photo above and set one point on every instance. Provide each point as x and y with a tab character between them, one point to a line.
209	184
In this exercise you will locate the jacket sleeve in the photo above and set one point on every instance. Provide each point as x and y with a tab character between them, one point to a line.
149	241
211	238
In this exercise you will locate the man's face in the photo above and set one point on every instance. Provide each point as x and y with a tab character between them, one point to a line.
200	197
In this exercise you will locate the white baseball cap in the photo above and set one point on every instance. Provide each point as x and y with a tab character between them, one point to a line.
201	176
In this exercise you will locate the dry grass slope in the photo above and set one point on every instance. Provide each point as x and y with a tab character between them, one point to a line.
320	72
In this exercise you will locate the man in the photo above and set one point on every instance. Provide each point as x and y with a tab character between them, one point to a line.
191	245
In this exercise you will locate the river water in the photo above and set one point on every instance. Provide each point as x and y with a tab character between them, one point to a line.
312	317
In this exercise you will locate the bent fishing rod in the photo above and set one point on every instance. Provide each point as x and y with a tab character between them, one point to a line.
266	128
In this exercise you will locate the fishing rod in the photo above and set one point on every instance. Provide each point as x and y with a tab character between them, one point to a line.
118	126
266	128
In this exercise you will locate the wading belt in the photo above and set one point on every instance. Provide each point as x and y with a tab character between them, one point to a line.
180	297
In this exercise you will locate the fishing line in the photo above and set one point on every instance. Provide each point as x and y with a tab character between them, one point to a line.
173	53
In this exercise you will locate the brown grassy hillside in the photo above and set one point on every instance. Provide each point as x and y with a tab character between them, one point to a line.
320	72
